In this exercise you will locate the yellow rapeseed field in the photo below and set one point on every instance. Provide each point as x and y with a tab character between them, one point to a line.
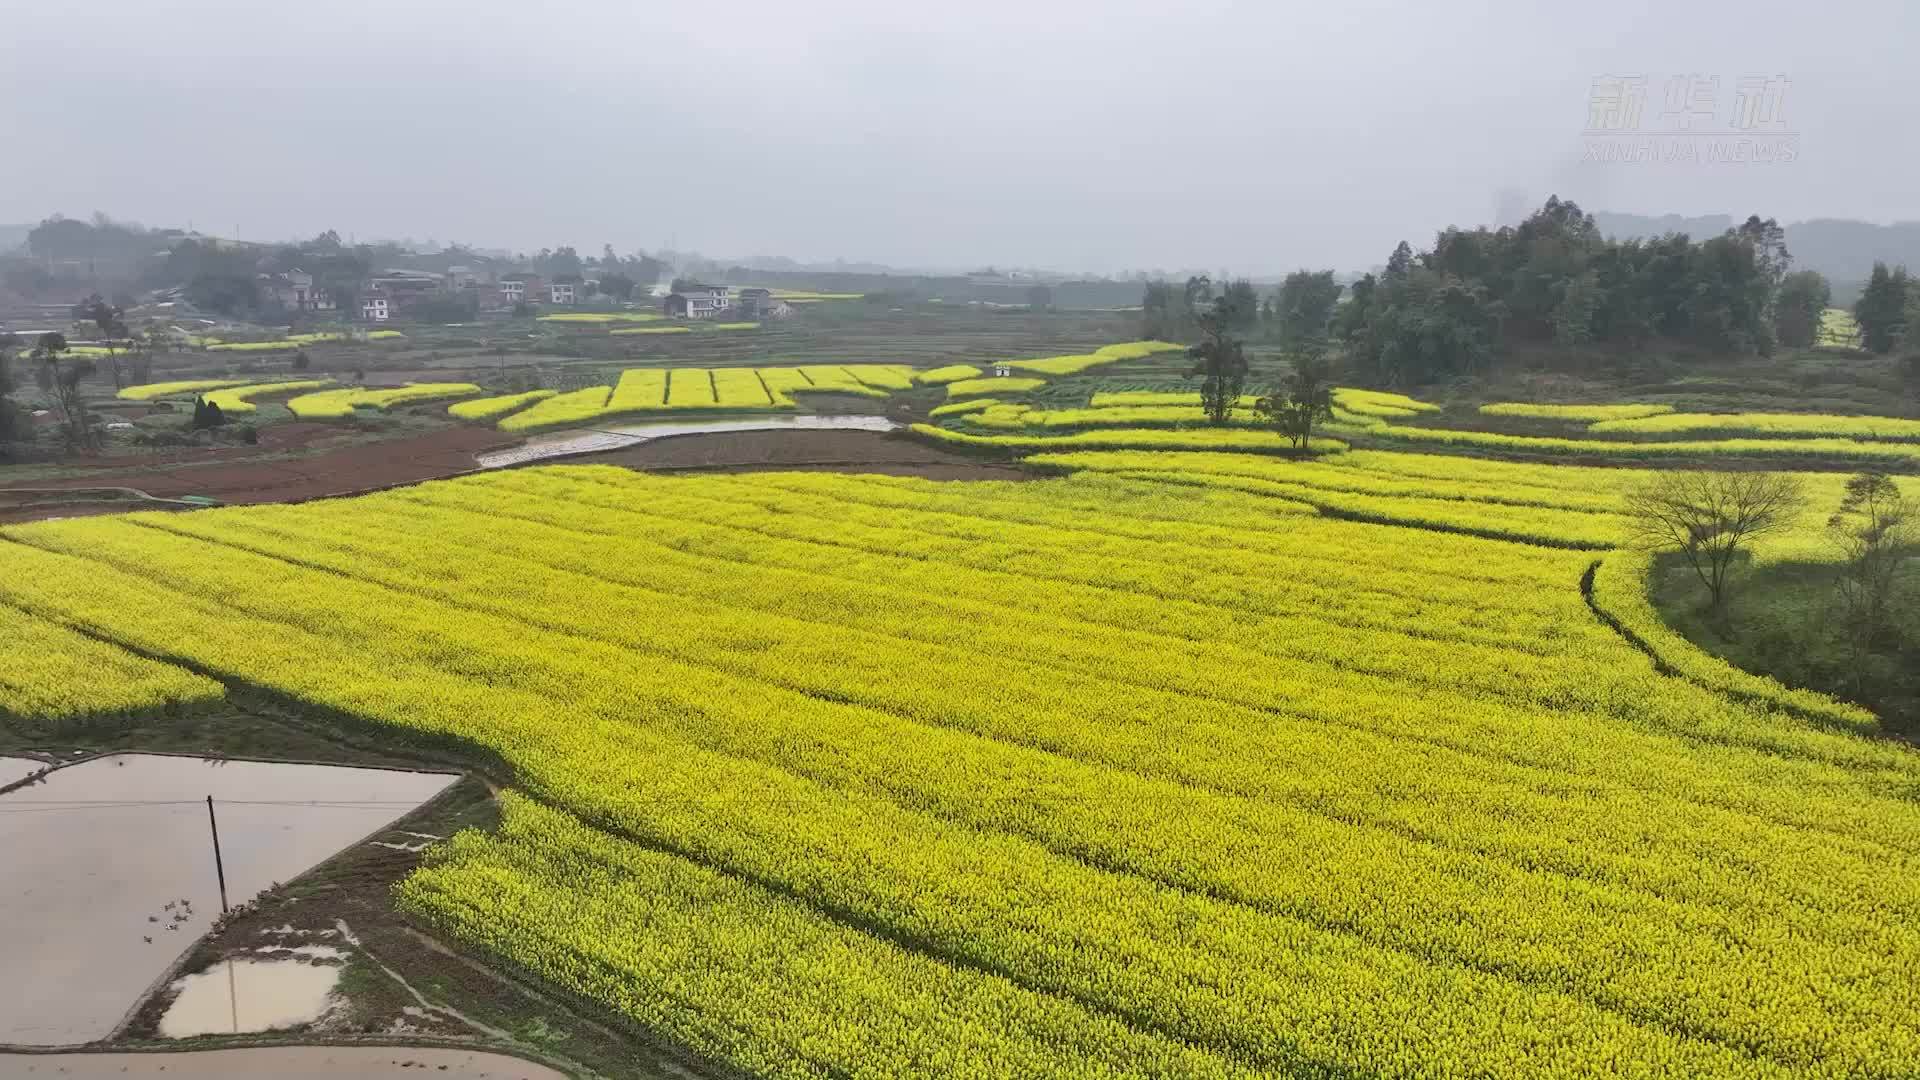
237	399
492	408
1192	764
677	390
1106	354
335	404
1766	425
150	391
1588	414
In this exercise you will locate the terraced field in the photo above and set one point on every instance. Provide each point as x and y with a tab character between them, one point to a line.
239	399
335	404
1008	415
677	391
1177	765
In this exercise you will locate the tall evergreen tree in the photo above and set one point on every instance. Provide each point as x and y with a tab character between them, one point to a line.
1220	360
1304	306
1240	305
1804	298
1881	308
1400	262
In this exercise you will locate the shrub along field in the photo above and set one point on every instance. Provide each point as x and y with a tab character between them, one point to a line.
822	775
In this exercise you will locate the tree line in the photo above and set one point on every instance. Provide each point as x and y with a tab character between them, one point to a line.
1552	279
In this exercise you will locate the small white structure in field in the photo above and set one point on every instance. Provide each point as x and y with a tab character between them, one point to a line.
1002	369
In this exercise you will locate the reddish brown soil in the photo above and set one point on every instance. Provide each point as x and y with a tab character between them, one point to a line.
233	478
817	451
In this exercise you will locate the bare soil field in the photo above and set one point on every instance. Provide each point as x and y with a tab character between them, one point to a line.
827	451
274	438
244	478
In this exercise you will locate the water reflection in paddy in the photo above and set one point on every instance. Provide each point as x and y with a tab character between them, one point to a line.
109	872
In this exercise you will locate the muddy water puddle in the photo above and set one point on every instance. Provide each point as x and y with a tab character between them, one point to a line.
109	871
251	994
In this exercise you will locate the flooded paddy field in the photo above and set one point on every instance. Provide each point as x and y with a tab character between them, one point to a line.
574	442
17	768
281	1063
110	874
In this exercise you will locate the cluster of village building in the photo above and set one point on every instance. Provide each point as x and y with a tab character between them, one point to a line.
392	294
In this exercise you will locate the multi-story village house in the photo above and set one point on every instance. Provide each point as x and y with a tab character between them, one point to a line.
699	301
296	291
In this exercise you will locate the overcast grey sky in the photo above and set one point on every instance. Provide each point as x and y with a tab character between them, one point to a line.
1090	135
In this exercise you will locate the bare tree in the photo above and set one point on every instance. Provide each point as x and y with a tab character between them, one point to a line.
111	324
64	382
1876	531
1709	517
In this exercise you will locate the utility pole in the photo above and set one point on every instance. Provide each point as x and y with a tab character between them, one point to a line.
219	867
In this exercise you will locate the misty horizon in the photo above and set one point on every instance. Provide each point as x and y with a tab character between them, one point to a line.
1072	138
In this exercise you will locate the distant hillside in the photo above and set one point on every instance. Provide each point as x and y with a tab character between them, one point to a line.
1844	251
949	288
1847	250
1628	226
12	237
